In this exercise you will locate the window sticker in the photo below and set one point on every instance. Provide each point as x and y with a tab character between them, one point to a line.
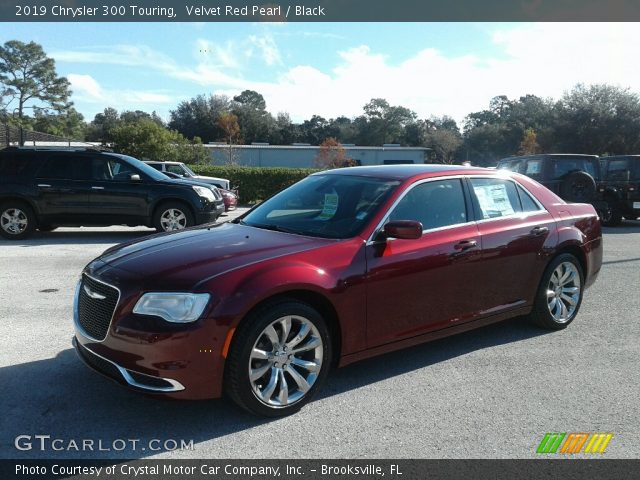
330	206
494	200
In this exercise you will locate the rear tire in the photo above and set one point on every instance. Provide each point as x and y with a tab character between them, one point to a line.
610	217
171	216
17	220
279	358
560	293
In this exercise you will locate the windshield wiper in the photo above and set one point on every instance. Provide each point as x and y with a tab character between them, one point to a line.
270	226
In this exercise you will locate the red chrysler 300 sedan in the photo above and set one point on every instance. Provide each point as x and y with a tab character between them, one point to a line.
343	265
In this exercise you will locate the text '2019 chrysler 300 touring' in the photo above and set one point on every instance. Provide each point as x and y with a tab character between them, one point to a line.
344	265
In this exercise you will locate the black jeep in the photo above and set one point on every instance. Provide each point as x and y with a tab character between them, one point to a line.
621	186
575	178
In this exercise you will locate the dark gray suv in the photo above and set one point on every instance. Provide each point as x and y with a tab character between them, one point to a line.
46	188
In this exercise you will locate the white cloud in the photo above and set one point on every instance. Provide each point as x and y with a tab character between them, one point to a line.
87	89
541	59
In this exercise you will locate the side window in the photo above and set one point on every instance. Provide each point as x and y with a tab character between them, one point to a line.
112	170
528	204
58	167
157	166
15	165
434	204
177	169
496	197
534	168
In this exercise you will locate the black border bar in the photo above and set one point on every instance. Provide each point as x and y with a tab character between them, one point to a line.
319	10
577	468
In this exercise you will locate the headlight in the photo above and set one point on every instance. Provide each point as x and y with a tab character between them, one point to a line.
173	307
205	193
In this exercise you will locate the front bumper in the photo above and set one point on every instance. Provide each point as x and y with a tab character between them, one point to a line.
148	354
136	380
211	214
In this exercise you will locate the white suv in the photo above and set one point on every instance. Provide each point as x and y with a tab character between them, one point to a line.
179	168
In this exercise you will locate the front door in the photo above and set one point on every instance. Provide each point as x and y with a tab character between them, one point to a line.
417	286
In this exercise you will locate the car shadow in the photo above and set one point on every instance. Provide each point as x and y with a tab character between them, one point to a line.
627	226
61	397
78	237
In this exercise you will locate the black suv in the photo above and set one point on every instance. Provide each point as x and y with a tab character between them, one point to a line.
47	188
621	185
575	178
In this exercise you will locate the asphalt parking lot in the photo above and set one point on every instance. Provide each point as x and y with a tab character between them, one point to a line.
490	393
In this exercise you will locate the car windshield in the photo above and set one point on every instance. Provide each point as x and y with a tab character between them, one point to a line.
140	165
328	206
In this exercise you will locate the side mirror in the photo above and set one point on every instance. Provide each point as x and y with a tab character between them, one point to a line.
134	177
403	229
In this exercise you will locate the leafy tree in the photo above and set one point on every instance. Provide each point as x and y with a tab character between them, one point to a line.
28	77
143	138
598	119
383	123
255	122
67	124
529	144
99	130
199	116
333	155
228	122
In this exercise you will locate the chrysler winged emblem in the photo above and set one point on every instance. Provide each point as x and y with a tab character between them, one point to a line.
93	294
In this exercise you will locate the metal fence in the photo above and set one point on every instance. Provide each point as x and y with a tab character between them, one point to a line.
12	136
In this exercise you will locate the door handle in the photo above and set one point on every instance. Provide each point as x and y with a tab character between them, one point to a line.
44	185
97	188
465	245
537	231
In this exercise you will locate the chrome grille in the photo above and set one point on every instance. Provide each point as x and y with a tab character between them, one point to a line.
96	303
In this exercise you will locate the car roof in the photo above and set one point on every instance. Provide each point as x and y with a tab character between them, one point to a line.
161	162
620	156
558	156
404	171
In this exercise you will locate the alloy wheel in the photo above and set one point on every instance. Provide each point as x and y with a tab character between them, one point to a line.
14	221
173	219
563	292
285	361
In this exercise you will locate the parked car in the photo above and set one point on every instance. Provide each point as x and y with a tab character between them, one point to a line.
47	188
575	178
230	198
343	265
622	187
182	170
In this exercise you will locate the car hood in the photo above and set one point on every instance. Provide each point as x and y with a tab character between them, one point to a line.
185	182
185	259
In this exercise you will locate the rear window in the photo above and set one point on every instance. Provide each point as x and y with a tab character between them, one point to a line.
561	167
621	169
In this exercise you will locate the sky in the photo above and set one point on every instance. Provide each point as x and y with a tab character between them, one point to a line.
332	69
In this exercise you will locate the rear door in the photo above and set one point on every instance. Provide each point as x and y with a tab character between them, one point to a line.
515	229
62	194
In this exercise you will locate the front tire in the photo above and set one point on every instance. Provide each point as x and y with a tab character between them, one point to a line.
560	293
171	216
17	220
278	359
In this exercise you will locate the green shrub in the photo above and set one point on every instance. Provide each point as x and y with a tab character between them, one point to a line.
255	183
